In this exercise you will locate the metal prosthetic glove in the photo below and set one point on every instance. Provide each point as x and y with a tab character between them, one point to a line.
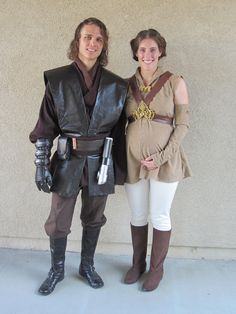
43	178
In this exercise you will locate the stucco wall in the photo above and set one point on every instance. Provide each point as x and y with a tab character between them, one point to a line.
201	46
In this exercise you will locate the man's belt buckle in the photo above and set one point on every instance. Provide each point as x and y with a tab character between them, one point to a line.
74	143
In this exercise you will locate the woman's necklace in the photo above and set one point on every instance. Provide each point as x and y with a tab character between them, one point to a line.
145	88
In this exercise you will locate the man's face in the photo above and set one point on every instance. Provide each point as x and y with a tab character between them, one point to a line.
90	44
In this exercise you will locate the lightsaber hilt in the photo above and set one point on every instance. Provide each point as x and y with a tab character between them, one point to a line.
106	158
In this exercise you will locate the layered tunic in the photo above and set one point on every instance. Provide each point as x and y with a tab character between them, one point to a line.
145	138
89	107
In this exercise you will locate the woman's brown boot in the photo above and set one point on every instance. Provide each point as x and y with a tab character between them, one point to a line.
139	241
160	245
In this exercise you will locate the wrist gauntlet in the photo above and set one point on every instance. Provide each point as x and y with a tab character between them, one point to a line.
175	140
43	178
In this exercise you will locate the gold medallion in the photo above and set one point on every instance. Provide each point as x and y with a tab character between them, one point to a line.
143	111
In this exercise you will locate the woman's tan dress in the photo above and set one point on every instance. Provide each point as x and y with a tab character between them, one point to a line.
146	138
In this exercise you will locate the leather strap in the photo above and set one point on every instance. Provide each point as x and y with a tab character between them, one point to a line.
156	118
87	146
155	89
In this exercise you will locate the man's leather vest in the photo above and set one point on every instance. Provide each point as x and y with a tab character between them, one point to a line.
72	118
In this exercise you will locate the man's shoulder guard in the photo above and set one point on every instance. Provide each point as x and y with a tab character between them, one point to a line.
60	73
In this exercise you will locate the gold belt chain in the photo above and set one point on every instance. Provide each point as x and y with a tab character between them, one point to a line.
143	111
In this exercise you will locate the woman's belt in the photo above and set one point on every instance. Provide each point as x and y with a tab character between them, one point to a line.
156	118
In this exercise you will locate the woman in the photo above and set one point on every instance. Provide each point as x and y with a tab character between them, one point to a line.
158	114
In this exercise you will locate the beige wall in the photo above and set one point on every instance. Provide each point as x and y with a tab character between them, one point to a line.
201	46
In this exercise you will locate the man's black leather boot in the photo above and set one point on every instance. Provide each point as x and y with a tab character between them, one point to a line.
56	272
87	269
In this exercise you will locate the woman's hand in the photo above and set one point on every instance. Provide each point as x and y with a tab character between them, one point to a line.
149	163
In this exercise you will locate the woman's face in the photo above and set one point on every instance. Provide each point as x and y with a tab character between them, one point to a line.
148	54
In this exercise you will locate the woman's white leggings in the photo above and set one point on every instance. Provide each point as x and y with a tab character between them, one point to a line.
157	196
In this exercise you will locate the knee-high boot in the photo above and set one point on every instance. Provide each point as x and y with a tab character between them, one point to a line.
56	272
160	245
87	269
139	240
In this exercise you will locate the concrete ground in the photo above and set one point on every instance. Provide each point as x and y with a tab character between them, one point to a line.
188	287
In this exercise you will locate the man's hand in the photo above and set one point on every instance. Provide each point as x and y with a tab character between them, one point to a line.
43	179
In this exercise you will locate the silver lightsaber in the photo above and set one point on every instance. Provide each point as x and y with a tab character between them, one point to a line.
106	159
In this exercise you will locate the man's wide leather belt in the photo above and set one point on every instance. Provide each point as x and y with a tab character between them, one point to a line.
87	145
156	118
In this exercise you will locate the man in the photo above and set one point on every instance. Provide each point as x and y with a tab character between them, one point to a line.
83	104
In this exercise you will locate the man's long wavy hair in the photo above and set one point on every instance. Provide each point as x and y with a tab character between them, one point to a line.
73	50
